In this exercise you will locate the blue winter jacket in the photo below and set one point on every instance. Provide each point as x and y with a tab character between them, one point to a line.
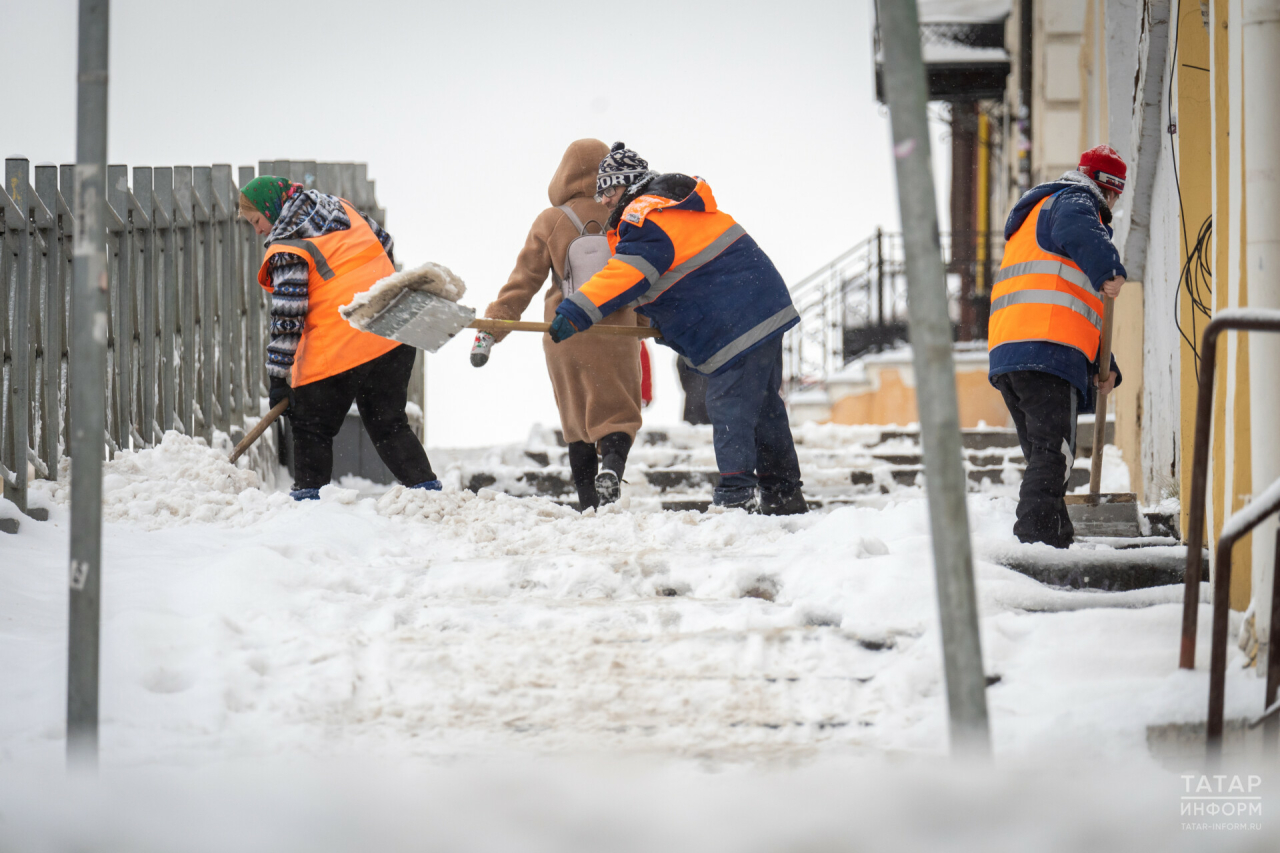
1071	228
693	271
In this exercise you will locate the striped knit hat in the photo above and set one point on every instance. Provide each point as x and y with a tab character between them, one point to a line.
620	167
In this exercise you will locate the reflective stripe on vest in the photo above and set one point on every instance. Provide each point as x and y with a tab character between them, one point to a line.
1040	296
339	265
660	284
747	339
1048	297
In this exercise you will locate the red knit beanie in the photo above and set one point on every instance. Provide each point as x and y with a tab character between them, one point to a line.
1103	166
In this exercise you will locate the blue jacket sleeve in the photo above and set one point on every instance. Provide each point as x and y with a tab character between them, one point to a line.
640	258
1075	227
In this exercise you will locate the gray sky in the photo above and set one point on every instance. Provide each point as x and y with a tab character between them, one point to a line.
462	111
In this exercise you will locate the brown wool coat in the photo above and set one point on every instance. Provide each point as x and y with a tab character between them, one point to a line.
596	379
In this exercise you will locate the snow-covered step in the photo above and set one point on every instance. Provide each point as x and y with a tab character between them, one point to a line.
1159	561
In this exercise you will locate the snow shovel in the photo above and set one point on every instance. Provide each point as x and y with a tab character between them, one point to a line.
428	322
420	307
1097	514
254	434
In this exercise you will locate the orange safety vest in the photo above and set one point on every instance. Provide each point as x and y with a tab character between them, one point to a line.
1040	296
340	265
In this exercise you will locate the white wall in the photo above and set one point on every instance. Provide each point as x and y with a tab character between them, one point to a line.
1161	401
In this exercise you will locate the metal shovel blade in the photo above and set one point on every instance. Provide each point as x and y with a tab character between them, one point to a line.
1116	514
421	319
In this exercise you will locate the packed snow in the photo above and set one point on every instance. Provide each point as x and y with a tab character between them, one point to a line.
447	629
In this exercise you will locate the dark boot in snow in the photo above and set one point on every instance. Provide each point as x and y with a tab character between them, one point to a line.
608	487
583	463
614	448
750	503
775	504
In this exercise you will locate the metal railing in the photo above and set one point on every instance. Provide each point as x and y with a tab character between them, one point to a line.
1266	504
855	304
186	325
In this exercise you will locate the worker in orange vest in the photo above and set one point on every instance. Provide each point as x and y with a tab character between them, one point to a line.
719	302
321	252
1046	325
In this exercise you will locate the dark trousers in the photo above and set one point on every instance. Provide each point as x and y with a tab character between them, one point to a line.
694	385
380	389
585	463
750	428
1044	411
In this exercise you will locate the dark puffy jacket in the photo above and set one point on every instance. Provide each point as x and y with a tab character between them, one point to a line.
693	271
1071	228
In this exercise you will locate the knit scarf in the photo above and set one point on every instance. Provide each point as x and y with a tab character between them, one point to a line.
268	195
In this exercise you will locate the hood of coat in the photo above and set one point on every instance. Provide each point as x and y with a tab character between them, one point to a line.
1073	180
576	176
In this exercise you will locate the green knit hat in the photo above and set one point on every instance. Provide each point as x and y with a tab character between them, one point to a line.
268	194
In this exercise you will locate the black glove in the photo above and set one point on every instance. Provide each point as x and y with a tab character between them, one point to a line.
280	390
562	329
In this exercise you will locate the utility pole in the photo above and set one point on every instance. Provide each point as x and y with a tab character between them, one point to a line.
907	96
88	377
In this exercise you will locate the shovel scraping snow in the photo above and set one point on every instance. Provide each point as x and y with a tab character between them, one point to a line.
420	307
417	307
1097	514
420	319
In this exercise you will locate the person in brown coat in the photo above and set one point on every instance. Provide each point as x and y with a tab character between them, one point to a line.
596	379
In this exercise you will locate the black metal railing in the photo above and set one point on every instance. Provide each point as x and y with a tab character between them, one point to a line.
1266	504
855	304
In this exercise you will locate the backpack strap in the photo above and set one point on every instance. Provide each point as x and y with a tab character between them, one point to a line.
573	217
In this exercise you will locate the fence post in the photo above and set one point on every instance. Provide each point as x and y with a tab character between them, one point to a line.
88	361
66	198
224	216
327	180
907	94
52	319
148	296
118	276
167	291
253	350
347	178
202	184
19	391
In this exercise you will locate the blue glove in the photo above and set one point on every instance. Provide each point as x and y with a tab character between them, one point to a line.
562	329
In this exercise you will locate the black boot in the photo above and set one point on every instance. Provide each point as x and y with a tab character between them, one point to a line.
775	504
614	448
583	463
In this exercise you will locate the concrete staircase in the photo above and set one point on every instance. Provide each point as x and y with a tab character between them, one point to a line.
674	469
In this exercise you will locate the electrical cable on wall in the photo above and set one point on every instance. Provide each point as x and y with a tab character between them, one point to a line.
1196	273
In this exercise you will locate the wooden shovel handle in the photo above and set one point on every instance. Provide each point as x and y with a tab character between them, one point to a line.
484	325
267	420
1100	410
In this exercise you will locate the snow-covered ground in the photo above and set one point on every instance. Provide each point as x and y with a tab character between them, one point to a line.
452	629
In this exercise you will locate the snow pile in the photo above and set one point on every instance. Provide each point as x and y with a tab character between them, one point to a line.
181	480
432	278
